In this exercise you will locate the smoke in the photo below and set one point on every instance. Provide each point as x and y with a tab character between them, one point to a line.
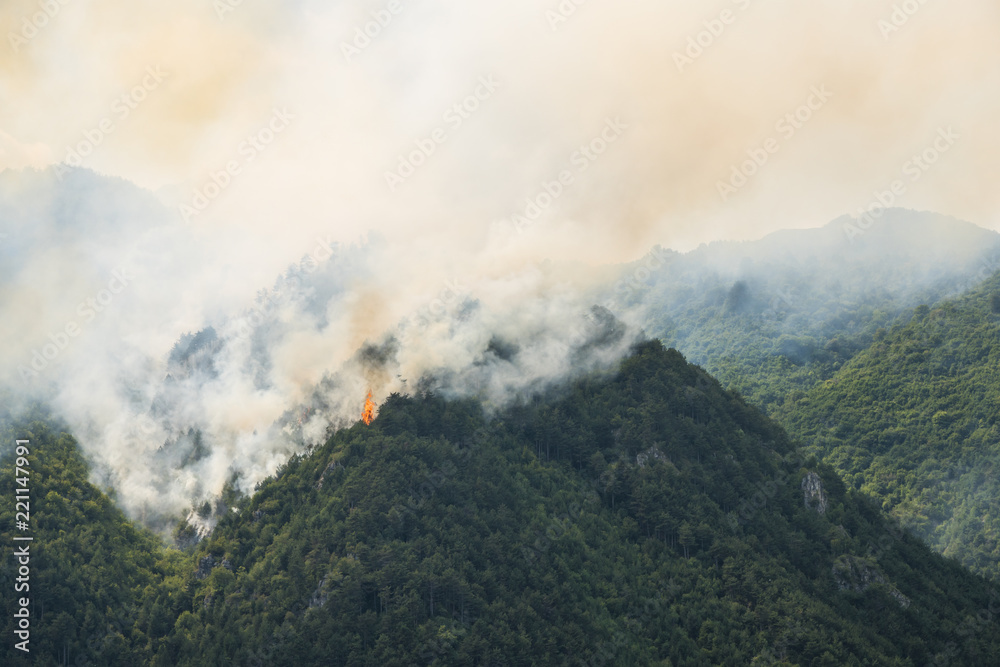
447	180
226	393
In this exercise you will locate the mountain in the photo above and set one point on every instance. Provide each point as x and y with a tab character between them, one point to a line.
179	366
64	213
913	422
778	315
89	567
643	516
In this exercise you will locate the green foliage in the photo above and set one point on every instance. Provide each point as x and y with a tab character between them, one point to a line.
646	518
775	317
616	524
89	566
913	422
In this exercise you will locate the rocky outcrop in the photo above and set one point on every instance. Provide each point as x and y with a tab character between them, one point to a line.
205	566
333	466
647	457
813	494
208	563
857	575
320	595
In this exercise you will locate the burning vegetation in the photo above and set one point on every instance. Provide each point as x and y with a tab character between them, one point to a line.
368	414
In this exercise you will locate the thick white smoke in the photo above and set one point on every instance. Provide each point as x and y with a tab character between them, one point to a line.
440	153
241	387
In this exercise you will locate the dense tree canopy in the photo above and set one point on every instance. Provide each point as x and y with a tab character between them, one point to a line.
913	422
642	517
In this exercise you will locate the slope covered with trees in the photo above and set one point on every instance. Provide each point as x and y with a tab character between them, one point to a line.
90	568
914	422
778	315
643	517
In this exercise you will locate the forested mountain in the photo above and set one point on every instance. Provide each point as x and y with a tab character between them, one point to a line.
914	422
780	314
90	568
641	517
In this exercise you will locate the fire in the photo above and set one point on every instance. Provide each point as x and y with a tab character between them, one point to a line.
368	414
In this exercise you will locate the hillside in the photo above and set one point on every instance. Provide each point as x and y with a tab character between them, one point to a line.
645	517
913	422
89	567
780	314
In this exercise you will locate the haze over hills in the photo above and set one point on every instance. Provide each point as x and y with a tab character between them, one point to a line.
173	392
172	399
780	314
240	386
439	333
310	537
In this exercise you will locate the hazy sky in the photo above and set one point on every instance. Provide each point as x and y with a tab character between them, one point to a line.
688	113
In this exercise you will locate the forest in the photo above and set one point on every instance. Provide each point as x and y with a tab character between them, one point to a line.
644	516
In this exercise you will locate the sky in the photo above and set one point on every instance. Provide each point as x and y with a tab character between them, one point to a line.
504	150
689	104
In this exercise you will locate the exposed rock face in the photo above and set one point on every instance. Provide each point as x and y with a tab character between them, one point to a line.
208	563
205	566
813	494
320	595
858	575
648	456
333	466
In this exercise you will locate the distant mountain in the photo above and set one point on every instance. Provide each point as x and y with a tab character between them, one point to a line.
914	422
777	315
41	210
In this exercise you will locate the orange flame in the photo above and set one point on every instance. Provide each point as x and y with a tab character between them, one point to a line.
368	414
